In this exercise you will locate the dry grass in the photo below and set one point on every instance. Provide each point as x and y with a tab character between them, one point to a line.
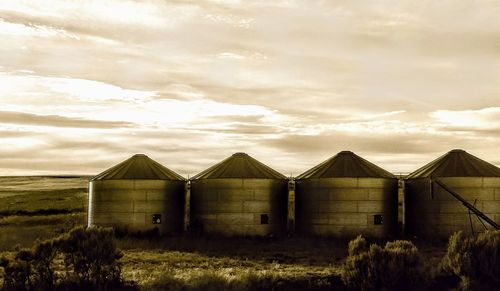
184	260
308	251
153	268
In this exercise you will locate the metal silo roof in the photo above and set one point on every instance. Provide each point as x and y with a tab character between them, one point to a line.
138	166
346	164
457	163
239	165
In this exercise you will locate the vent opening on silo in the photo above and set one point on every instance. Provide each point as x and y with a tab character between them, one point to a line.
264	219
378	219
156	218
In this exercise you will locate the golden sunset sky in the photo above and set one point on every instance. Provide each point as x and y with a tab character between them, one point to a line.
86	84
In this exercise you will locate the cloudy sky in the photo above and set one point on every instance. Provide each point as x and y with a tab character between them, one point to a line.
86	84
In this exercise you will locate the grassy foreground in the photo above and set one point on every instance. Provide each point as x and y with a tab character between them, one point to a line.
184	260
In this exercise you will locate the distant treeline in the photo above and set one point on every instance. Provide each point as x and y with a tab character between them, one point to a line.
51	176
50	211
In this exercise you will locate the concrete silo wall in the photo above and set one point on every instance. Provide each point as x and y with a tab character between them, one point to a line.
440	214
346	207
237	206
131	204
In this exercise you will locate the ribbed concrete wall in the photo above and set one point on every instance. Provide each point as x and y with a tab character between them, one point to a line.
441	214
235	206
130	204
345	207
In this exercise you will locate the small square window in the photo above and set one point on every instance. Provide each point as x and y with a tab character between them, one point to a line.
378	219
264	219
156	218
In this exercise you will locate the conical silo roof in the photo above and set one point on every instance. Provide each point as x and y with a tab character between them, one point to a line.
239	165
456	163
138	167
346	164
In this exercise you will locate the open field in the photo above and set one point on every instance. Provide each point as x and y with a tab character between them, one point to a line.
39	207
43	207
33	194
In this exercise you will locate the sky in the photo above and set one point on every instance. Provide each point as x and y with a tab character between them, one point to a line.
86	84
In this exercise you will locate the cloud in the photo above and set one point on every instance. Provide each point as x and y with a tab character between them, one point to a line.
469	120
32	30
56	121
291	82
14	133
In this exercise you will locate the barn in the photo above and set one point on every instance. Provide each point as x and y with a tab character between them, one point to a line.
138	194
457	191
239	196
345	196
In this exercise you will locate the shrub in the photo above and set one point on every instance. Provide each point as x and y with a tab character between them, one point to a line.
44	254
90	257
476	260
397	266
357	246
30	269
18	273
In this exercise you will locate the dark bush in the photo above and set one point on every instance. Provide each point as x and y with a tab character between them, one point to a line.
30	269
476	260
91	263
357	246
91	257
18	273
44	254
397	266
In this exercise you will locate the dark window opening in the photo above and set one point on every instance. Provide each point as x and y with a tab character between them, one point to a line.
378	219
156	218
264	219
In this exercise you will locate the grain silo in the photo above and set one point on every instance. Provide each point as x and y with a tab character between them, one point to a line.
138	194
345	196
457	191
239	196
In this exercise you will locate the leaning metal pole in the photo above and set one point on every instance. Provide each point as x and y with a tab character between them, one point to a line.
467	204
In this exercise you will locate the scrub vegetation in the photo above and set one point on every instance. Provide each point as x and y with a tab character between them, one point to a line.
83	259
396	266
475	260
41	249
